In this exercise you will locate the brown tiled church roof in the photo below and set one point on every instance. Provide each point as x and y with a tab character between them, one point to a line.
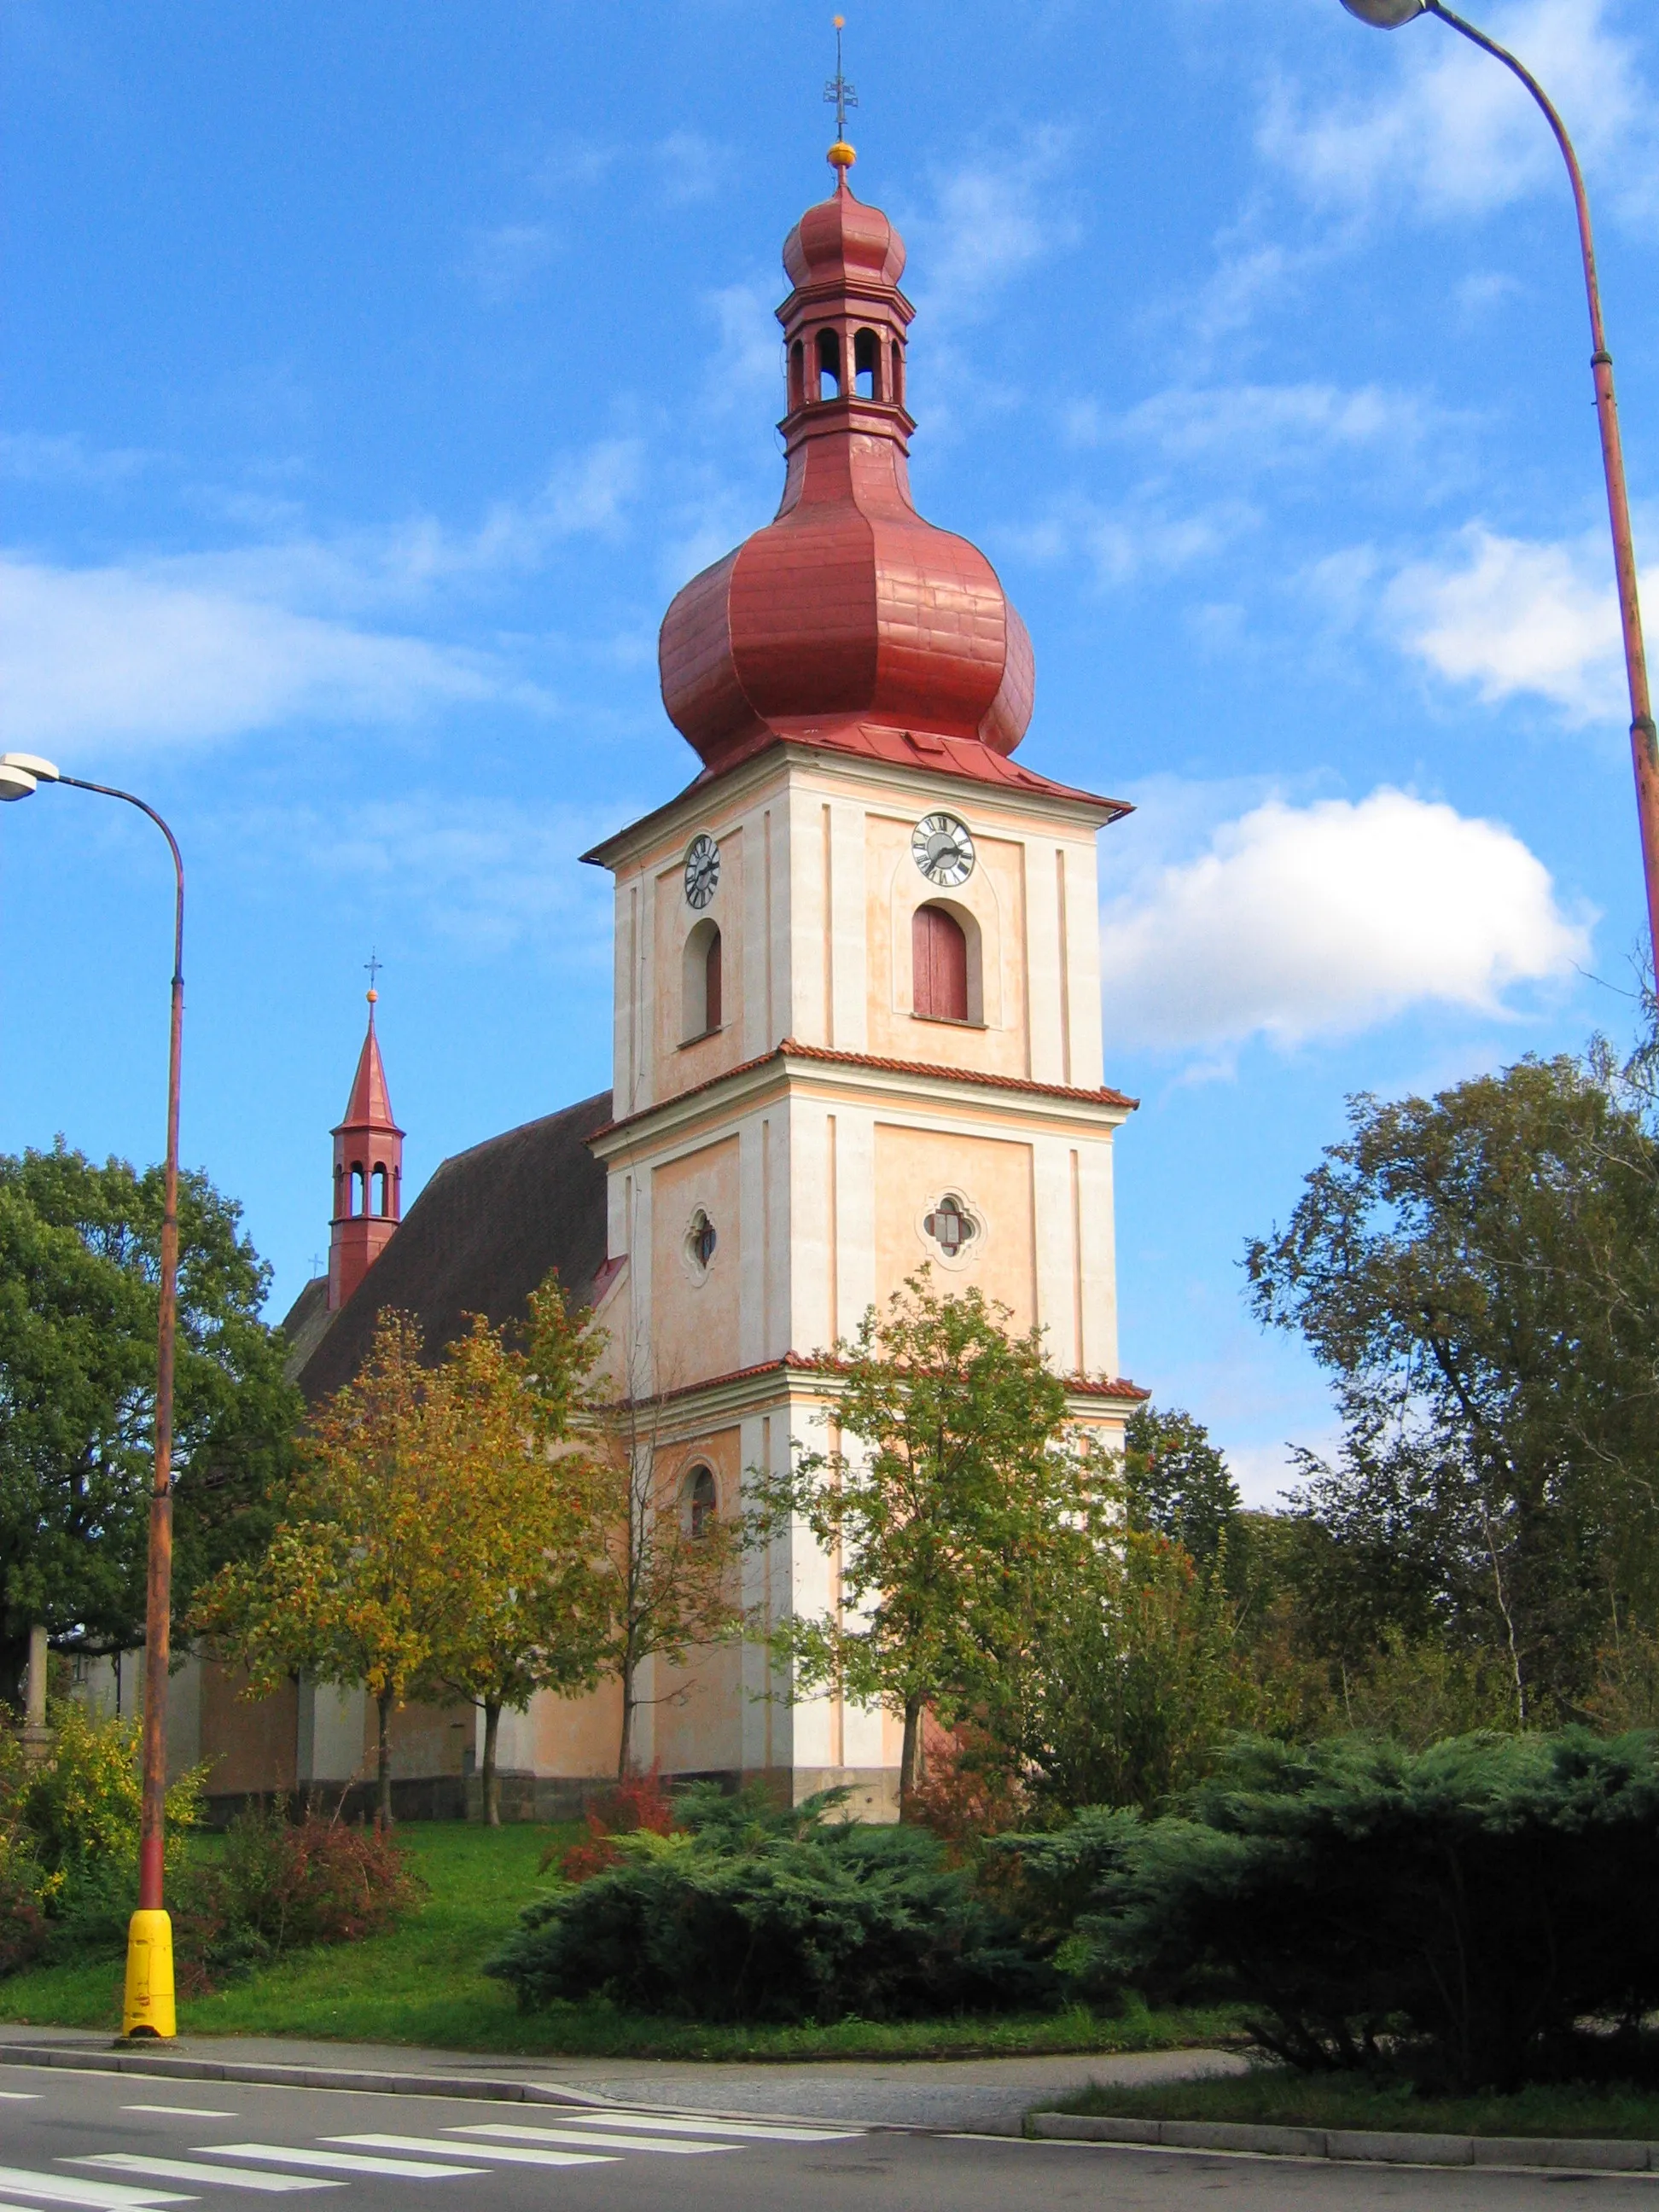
479	1238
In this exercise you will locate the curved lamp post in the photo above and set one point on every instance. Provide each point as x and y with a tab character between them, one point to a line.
1388	15
148	2008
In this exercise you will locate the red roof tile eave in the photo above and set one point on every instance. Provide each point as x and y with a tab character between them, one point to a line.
998	773
800	1363
790	1048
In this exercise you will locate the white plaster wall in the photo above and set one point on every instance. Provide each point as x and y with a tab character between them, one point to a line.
1099	1258
1083	963
849	927
339	1720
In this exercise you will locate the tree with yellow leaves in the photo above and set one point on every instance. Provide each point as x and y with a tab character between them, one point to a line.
438	1539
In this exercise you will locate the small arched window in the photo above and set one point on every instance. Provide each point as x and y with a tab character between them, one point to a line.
700	1240
701	1502
898	375
865	351
700	995
359	1190
829	365
796	374
939	965
382	1192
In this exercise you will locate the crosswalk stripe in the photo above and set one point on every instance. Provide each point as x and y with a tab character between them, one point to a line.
508	2153
338	2162
97	2196
184	2111
184	2169
760	2130
20	2096
591	2136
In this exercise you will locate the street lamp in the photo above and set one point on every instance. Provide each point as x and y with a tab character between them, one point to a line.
1388	15
148	2008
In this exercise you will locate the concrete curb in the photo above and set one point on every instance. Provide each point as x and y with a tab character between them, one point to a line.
1374	2147
270	2075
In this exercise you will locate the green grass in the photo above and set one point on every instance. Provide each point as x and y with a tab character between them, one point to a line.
1276	2096
420	1985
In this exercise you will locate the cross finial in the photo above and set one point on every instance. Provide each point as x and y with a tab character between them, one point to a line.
372	968
841	95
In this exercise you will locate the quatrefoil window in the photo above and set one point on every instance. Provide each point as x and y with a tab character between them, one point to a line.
951	1227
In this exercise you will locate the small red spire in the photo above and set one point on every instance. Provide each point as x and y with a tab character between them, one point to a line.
368	1173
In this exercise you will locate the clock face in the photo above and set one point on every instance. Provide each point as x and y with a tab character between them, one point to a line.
942	850
702	870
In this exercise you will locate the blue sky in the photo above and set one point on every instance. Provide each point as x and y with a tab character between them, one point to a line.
372	375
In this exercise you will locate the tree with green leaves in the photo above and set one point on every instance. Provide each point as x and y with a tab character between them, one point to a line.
1177	1483
958	1497
79	1248
1479	1274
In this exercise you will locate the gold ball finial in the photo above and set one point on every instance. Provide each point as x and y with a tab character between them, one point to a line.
841	156
372	997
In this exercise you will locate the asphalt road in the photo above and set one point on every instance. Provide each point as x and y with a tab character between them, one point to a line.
95	2143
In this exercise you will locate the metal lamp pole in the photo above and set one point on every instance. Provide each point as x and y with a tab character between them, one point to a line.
149	2007
1390	15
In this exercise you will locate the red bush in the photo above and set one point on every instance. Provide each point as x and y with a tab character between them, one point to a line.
639	1801
970	1790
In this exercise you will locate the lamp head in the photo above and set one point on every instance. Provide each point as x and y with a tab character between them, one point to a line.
1386	15
21	774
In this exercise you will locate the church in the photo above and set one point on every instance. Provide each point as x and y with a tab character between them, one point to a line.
857	1029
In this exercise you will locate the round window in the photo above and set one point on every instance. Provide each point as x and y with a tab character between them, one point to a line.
701	1240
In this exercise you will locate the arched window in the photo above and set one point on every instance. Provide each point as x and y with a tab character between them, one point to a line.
700	997
701	1501
381	1191
829	365
359	1191
898	374
864	364
939	965
796	374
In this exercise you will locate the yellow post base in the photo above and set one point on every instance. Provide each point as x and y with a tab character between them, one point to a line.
149	2007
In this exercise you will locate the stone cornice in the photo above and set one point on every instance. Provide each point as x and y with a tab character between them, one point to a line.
1080	810
739	1088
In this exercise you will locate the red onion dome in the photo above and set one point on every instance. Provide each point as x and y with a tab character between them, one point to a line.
849	615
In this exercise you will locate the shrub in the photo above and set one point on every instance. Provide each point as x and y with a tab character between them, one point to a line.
282	1885
68	1839
1466	1905
760	1912
639	1801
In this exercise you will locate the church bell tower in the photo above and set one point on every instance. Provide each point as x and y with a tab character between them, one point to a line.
369	1174
858	1017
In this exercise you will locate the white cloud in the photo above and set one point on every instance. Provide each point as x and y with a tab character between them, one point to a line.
117	656
1511	616
1451	131
489	874
1322	920
505	261
1261	425
990	221
1138	538
30	456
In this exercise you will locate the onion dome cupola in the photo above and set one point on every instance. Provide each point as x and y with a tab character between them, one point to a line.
849	621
